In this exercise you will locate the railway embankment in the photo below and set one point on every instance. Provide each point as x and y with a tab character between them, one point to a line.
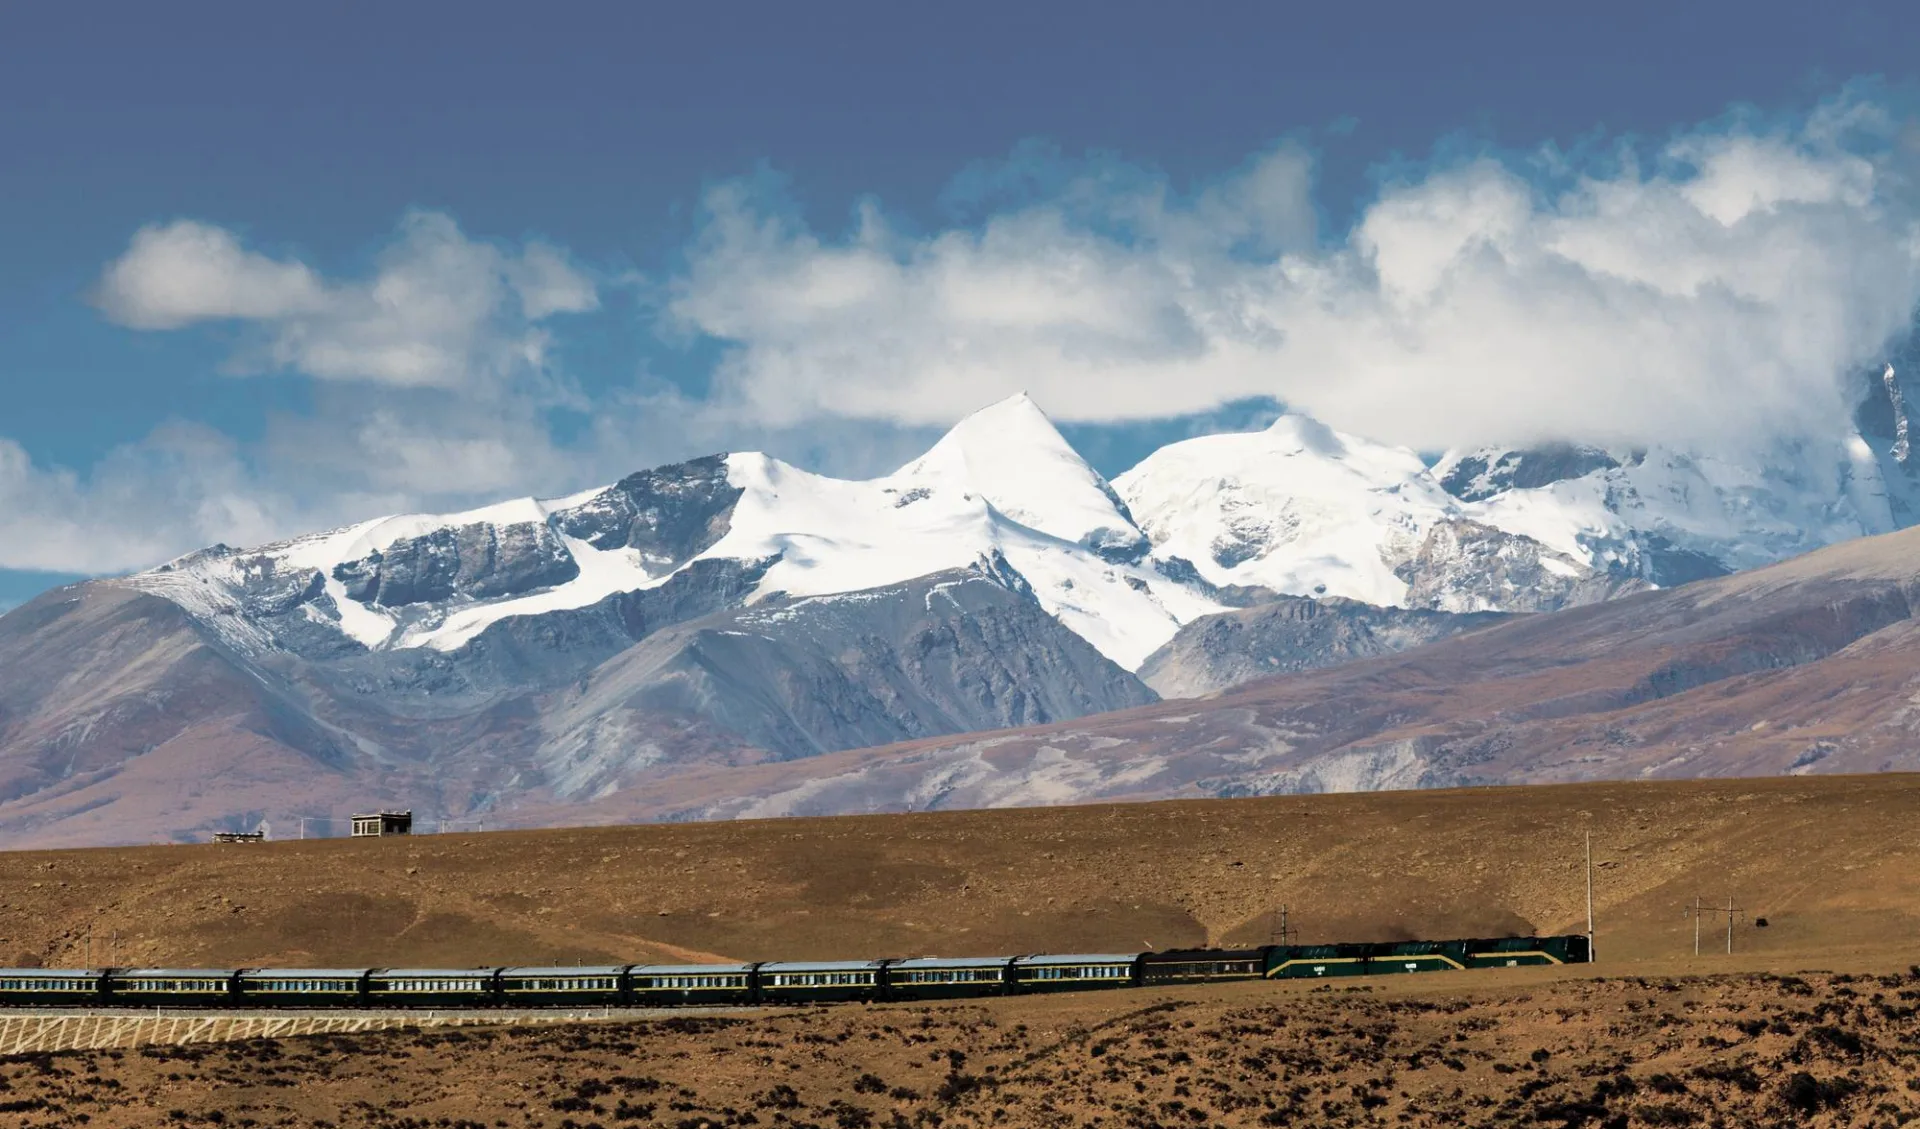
38	1032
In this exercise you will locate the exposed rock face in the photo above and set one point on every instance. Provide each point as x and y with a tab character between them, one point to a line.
1483	474
1464	566
670	514
1668	565
1882	415
1902	449
944	654
478	561
522	655
1884	423
1294	633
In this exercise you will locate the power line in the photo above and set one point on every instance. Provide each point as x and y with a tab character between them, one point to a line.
1699	910
1281	930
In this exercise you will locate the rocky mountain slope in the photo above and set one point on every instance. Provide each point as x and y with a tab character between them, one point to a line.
1812	665
735	613
1291	634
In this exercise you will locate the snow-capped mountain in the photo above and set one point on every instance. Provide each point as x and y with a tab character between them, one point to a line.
1297	509
1002	491
735	609
1301	509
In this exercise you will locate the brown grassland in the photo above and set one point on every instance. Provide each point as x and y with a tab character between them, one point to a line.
1812	1021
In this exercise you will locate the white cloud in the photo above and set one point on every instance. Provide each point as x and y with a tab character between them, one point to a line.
182	487
548	284
1718	288
1730	284
440	311
179	273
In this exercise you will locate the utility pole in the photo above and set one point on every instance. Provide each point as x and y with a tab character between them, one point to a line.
1590	953
1694	913
1281	931
1730	912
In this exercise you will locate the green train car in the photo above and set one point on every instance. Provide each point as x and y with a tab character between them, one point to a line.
1517	952
1075	972
172	987
820	981
560	984
1386	958
949	978
666	985
1416	956
1202	966
1285	962
52	987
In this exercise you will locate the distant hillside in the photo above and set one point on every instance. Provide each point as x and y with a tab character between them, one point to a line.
1828	861
1809	666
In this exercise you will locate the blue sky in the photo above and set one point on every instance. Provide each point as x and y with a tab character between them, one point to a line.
263	268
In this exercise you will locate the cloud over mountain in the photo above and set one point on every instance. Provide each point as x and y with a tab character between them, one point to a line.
1716	289
1721	284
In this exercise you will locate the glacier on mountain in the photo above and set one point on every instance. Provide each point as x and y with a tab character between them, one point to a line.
1301	509
1199	526
1002	492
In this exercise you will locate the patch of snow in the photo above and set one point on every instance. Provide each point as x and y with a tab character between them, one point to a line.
1298	508
603	573
369	627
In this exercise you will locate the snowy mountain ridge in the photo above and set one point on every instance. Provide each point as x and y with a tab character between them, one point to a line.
1302	509
1199	525
1002	492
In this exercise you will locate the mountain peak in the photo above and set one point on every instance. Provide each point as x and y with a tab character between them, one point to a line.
1014	419
1305	433
1010	454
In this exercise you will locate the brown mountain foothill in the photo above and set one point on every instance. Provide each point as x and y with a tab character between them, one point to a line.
1828	861
1810	666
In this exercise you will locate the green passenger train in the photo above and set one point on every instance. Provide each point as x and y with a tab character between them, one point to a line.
771	982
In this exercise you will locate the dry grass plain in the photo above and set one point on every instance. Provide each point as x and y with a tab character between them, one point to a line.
1732	1050
1649	1036
1833	863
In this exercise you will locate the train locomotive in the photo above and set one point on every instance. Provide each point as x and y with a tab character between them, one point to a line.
770	982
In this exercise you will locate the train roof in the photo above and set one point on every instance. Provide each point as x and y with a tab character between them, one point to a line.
820	965
687	969
176	973
950	962
430	973
301	973
47	973
566	970
1077	958
1205	954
